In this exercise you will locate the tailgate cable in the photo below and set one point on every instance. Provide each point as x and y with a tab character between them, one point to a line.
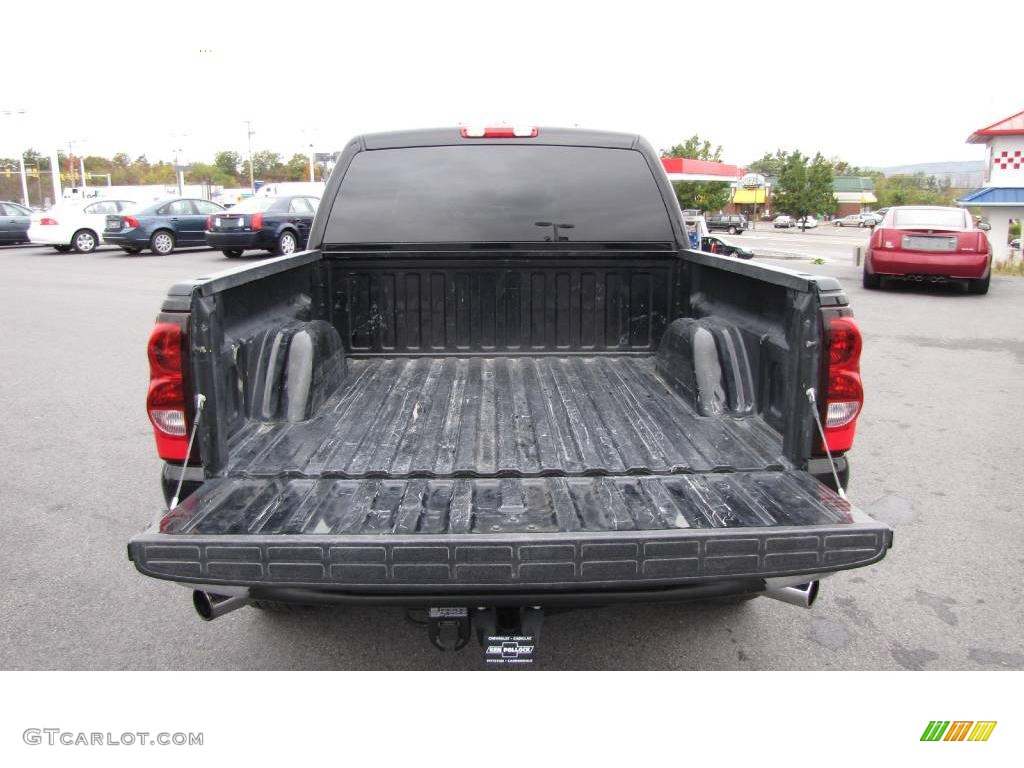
200	401
824	442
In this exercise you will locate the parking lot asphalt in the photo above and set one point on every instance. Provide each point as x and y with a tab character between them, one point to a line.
938	456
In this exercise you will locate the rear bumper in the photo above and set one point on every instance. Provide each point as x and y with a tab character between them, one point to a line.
259	239
410	565
133	238
51	235
952	265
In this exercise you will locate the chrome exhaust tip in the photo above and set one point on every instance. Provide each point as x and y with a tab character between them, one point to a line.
210	606
803	595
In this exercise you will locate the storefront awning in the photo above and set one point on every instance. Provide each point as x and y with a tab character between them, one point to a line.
748	196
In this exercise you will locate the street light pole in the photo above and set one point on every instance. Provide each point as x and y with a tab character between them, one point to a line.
24	180
252	171
55	175
21	158
312	159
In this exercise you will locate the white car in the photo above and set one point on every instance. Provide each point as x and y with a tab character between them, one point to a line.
75	225
808	222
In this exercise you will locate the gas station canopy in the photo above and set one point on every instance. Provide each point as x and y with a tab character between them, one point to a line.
685	169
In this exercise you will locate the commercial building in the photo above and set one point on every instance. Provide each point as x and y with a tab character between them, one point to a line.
1001	199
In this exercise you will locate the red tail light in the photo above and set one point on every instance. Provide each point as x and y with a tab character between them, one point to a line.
209	223
46	221
165	402
885	238
499	132
131	221
982	243
845	394
257	221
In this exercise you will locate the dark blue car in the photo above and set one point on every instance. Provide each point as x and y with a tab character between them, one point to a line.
14	222
276	224
161	226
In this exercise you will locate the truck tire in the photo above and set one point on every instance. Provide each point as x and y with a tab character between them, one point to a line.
162	242
871	281
979	286
286	243
232	253
84	241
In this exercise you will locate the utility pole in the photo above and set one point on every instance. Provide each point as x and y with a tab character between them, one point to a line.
55	175
24	180
179	175
71	163
21	158
252	171
81	165
312	159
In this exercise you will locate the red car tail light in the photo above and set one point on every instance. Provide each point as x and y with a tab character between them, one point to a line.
982	243
499	132
131	221
165	401
209	223
46	221
885	239
257	221
845	393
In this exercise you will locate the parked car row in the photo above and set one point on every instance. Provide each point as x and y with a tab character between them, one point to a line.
278	224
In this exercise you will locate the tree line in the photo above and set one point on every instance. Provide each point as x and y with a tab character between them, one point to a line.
802	184
228	169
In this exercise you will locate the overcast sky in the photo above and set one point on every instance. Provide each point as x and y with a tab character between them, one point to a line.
877	83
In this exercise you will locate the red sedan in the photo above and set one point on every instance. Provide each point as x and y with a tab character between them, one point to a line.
929	243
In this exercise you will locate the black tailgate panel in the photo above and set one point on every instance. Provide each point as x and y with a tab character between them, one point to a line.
507	533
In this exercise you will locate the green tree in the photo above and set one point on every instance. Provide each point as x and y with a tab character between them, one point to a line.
228	162
916	189
819	179
211	174
702	195
769	164
297	168
267	165
802	190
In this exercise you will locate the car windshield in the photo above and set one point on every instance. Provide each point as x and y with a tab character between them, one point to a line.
930	218
254	205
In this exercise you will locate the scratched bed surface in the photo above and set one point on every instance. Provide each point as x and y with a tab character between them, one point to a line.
504	417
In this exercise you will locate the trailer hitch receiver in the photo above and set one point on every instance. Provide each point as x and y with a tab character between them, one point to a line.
448	628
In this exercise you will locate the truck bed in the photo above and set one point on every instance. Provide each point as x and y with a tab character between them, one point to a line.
506	473
445	417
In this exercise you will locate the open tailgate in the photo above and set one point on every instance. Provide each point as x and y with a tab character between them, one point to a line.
503	534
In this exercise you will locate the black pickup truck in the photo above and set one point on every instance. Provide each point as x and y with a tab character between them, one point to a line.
499	382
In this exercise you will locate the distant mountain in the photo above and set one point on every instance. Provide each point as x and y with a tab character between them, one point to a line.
961	173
